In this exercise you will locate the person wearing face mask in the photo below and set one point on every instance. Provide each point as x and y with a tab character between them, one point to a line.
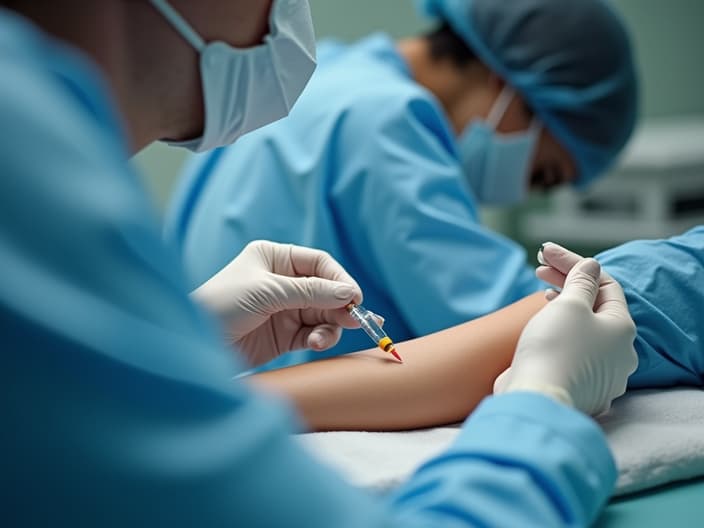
300	296
119	403
393	147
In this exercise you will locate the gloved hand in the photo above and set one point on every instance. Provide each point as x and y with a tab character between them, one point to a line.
556	262
579	348
274	298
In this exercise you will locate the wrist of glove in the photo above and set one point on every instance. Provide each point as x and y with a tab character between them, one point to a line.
579	348
553	391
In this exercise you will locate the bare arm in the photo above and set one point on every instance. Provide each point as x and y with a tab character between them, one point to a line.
442	379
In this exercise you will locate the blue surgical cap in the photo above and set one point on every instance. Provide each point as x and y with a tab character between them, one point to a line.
571	61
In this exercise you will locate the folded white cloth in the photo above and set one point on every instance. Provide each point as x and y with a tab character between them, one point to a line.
657	436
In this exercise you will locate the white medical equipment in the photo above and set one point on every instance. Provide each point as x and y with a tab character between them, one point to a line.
656	191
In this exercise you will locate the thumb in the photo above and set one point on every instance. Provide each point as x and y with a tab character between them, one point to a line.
582	282
315	292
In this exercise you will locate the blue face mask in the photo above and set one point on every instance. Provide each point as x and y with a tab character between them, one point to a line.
497	164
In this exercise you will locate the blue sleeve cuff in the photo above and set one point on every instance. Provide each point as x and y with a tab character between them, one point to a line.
521	459
562	448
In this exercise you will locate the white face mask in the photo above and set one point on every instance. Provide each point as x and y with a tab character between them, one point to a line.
244	89
497	164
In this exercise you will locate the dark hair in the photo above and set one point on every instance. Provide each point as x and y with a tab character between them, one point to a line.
444	43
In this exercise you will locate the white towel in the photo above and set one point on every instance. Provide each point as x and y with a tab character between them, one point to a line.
657	436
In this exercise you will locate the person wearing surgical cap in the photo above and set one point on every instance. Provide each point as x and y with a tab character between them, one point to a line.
394	146
123	403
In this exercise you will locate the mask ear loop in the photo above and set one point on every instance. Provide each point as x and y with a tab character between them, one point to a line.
179	24
500	106
497	113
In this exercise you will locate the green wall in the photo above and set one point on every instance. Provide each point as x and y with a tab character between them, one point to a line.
668	37
350	19
669	41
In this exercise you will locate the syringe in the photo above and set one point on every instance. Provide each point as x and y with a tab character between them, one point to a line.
366	320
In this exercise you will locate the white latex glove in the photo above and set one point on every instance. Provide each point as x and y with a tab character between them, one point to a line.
556	262
579	348
274	298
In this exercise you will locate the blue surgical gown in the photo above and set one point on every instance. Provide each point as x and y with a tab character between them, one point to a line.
118	407
366	168
664	285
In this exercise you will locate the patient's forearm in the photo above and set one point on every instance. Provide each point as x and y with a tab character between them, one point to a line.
442	379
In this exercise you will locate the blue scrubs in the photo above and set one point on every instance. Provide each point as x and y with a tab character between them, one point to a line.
118	406
366	168
664	285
